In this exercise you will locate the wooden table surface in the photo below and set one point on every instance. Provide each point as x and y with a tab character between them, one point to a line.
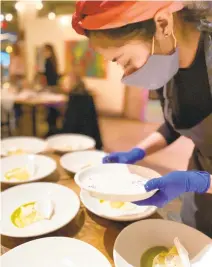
99	232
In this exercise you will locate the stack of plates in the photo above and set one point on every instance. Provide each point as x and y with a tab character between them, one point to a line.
107	190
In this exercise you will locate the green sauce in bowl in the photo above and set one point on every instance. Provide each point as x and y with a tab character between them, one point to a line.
149	255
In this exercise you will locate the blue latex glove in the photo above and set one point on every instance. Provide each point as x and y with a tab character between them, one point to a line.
129	157
175	184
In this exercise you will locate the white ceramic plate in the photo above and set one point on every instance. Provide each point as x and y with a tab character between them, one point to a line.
66	206
70	142
116	182
130	212
54	252
76	161
138	237
38	165
23	144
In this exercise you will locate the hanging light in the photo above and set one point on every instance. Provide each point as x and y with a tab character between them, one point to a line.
39	5
51	16
65	20
9	17
19	6
1	17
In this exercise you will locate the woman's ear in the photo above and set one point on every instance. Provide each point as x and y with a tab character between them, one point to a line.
164	24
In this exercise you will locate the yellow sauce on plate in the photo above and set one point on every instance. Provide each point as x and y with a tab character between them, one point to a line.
20	220
16	152
20	174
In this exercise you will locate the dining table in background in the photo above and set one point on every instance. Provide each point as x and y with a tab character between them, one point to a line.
40	99
96	231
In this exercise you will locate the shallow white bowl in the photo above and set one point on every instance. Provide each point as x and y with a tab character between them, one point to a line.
138	237
76	161
77	142
115	182
54	252
43	167
66	204
30	145
94	206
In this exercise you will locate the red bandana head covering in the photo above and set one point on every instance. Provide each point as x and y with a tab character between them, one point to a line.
97	15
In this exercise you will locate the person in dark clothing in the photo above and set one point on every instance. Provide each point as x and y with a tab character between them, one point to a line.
163	44
81	116
51	75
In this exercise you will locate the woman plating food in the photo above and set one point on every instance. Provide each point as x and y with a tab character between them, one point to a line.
159	45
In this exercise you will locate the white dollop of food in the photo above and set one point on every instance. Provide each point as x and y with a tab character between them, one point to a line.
183	253
173	261
176	257
44	208
26	211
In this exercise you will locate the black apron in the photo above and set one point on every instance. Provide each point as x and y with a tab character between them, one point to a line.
81	117
197	208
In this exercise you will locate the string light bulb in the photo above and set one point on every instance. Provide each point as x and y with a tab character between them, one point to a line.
19	6
51	16
65	20
39	5
9	17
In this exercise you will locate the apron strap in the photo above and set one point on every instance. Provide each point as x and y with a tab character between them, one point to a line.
208	56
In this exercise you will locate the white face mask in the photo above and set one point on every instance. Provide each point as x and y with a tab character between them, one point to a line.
157	71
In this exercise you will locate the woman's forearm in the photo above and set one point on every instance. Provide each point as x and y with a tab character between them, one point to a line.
153	143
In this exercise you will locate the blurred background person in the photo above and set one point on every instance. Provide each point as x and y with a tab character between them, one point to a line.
16	67
51	76
17	75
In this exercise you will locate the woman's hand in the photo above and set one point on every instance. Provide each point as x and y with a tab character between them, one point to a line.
129	157
175	184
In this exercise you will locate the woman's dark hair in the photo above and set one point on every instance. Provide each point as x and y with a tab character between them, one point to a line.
193	12
53	58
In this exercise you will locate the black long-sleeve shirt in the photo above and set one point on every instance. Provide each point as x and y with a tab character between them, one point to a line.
50	73
191	99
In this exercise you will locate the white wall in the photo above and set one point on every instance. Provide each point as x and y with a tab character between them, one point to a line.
109	92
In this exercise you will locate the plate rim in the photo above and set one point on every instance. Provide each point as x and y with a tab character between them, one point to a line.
125	218
70	134
28	181
22	137
116	197
49	231
38	240
77	152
